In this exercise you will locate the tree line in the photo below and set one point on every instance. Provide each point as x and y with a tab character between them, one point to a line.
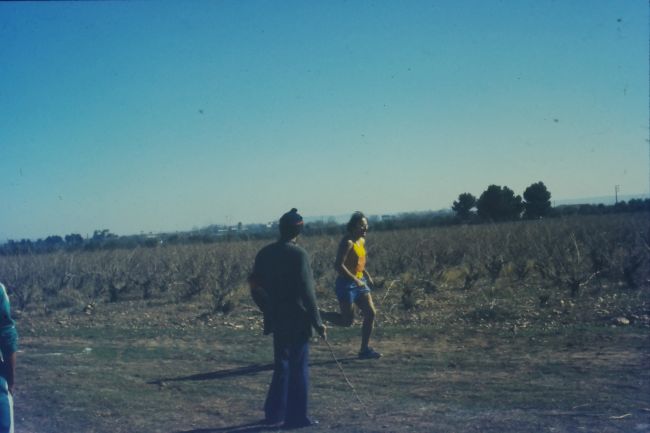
499	203
495	204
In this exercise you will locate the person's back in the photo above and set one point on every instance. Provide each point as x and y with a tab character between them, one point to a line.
282	268
282	285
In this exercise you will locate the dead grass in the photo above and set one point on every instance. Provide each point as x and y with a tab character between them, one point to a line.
462	352
168	371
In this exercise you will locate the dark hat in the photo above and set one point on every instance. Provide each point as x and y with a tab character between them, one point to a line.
291	219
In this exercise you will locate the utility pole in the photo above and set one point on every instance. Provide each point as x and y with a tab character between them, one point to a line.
616	189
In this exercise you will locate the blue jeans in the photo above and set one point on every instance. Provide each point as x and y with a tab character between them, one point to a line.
287	397
6	408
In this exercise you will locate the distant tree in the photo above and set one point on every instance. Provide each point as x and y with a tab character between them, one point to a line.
499	204
73	240
637	204
100	235
464	205
53	242
22	246
537	201
17	247
26	245
621	206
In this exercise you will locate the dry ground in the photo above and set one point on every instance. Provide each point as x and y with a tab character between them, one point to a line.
145	368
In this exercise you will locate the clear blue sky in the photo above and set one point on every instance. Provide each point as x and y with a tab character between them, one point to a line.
150	116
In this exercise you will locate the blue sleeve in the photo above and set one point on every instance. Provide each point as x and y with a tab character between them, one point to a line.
8	334
8	342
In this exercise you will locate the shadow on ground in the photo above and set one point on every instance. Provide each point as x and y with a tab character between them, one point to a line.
243	428
240	371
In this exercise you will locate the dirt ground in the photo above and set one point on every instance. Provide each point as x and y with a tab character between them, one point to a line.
145	368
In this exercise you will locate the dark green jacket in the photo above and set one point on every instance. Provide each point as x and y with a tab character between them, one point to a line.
283	270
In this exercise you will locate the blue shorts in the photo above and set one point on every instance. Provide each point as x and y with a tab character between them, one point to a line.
347	290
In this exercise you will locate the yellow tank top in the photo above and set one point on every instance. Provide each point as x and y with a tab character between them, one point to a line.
356	259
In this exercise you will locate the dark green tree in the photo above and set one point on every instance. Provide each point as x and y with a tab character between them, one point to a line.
537	201
74	239
464	205
499	204
102	235
52	243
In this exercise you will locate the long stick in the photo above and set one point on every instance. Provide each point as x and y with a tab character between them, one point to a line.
346	378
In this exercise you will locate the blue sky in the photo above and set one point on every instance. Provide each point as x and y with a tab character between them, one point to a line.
164	116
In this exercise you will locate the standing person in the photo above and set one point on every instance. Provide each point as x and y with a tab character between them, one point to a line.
8	347
282	285
353	282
